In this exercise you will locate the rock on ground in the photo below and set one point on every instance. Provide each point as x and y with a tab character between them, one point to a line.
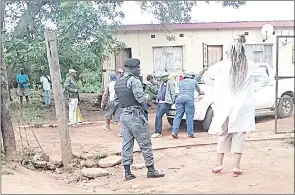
52	165
94	172
90	164
109	161
40	164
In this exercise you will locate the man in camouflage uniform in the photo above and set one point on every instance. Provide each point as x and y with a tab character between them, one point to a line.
130	94
72	95
151	89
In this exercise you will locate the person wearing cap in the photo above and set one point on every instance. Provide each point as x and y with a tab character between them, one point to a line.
108	103
72	95
185	104
134	126
120	73
165	98
22	80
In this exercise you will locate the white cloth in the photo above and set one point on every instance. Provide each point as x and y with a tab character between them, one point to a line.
45	82
112	90
240	107
73	104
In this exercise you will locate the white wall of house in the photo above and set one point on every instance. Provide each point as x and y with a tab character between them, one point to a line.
142	45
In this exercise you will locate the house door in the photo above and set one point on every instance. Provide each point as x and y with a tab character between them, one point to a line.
121	57
215	54
108	68
112	63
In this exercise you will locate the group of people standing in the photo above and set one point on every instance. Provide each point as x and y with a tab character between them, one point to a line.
22	80
71	92
163	95
127	98
234	108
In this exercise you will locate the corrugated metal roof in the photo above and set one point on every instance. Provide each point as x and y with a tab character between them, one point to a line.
209	25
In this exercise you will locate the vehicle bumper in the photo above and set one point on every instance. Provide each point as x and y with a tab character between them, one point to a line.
200	111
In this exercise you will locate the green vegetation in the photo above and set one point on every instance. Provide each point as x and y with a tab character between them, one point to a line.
83	31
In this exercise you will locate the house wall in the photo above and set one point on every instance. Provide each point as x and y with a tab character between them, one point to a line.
142	45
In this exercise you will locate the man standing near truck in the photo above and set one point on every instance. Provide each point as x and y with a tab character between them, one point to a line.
185	104
165	98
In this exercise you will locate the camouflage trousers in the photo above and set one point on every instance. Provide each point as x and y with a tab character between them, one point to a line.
135	126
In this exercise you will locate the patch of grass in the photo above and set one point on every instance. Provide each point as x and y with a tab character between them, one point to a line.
36	112
99	155
32	113
27	157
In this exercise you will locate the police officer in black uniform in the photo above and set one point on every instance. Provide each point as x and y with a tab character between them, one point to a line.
130	94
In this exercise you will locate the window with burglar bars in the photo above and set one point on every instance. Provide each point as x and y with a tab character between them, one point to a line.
259	53
169	58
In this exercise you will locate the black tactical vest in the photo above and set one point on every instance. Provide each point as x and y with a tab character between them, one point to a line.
124	95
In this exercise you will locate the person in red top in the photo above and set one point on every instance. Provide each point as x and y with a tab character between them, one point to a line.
181	76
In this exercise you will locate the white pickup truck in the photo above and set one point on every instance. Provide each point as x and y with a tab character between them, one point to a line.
264	100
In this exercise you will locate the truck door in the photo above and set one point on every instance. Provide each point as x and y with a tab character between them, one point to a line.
264	97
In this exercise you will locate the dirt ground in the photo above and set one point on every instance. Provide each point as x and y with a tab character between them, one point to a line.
92	138
268	165
268	168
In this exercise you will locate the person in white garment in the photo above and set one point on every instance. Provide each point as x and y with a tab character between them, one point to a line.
46	84
108	103
72	95
235	80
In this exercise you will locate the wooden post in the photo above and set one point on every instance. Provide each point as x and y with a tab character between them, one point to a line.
2	8
54	66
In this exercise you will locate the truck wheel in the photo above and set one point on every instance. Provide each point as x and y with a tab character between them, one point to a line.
170	121
208	119
285	106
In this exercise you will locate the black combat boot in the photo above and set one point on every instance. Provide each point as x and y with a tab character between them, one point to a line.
128	174
153	173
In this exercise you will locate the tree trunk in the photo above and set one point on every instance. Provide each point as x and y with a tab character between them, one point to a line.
2	8
29	14
6	123
9	143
